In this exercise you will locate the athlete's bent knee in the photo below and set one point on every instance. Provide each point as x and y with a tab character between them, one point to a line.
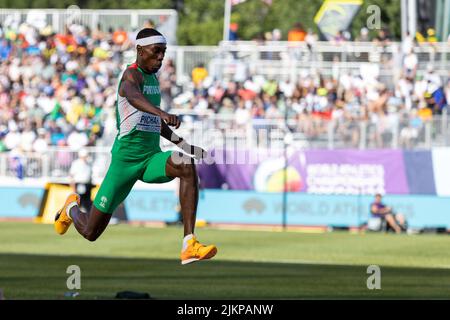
91	236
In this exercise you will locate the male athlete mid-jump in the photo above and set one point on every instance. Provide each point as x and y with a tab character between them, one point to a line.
136	153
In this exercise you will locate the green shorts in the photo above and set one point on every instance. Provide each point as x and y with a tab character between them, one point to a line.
123	174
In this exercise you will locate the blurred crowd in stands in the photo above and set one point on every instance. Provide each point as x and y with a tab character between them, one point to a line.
60	89
298	33
57	88
313	100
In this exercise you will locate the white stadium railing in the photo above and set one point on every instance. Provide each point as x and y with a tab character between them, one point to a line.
165	19
222	132
283	60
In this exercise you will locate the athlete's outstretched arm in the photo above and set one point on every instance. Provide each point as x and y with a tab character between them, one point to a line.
168	134
130	88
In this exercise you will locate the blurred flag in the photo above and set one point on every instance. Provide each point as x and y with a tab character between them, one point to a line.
335	16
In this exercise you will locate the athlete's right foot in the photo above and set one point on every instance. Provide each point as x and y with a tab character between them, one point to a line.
196	251
62	219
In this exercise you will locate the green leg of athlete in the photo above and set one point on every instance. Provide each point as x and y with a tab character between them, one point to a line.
91	225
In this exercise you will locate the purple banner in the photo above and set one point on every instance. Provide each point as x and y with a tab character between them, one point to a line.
352	171
232	169
419	170
313	171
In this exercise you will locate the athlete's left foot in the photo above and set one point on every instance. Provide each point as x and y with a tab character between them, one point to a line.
62	219
196	251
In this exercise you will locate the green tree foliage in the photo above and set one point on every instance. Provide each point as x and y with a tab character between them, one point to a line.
201	21
390	17
254	17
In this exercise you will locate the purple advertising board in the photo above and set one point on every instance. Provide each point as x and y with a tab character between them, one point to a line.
352	171
310	171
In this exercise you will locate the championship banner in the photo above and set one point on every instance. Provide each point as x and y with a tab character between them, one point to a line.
336	15
419	170
235	169
339	172
352	171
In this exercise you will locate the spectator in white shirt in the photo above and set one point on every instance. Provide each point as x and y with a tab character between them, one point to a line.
76	140
40	145
410	65
81	179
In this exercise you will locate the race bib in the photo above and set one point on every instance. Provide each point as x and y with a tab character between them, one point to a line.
149	123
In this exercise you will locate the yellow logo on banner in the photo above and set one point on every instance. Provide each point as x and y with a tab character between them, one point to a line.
53	200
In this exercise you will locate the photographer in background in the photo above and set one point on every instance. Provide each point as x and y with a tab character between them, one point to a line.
386	214
81	178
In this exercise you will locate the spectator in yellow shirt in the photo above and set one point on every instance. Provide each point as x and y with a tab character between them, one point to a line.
199	73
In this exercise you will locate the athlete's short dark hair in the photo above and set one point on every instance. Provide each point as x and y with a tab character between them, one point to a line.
147	32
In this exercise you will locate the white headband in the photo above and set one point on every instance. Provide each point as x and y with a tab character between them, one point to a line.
150	40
